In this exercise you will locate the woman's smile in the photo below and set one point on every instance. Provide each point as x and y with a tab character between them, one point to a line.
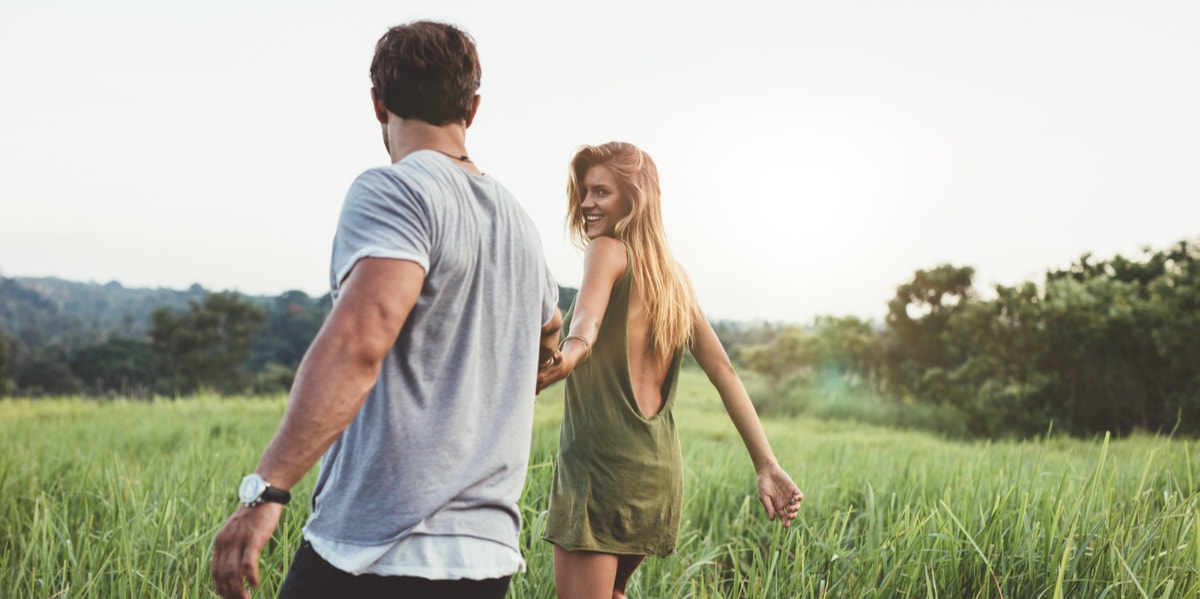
603	204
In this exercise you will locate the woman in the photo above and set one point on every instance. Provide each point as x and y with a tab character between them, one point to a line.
618	479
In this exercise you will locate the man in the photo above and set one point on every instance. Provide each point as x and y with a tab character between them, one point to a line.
419	387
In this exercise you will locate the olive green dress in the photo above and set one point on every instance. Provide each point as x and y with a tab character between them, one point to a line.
618	478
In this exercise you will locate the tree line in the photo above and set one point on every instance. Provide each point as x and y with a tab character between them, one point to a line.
222	342
66	338
1102	345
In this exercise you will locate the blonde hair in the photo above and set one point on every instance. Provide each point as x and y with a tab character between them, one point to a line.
665	287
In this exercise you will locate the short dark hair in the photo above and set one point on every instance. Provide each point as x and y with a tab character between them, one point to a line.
428	71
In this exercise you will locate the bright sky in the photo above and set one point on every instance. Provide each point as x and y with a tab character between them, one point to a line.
814	154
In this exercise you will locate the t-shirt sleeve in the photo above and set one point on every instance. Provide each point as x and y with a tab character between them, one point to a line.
382	217
549	297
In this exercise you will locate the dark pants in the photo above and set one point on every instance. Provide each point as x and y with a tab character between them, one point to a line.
311	577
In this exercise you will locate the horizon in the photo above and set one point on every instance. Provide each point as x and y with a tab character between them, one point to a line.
983	292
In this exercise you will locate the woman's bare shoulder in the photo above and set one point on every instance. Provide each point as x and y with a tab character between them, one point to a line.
605	254
606	245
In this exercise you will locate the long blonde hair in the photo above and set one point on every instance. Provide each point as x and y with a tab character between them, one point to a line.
665	287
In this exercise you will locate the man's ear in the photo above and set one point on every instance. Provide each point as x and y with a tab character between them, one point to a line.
381	111
474	109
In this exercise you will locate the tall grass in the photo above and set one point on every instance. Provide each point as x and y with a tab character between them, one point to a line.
120	499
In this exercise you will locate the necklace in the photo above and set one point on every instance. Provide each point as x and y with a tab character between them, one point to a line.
462	157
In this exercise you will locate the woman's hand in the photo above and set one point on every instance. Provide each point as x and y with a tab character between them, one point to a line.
778	494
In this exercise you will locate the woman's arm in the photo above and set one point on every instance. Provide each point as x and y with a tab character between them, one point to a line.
776	490
604	262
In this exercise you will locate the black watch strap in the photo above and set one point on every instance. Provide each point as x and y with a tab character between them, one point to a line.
275	495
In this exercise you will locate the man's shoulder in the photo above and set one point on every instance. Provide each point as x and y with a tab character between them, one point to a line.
389	184
386	173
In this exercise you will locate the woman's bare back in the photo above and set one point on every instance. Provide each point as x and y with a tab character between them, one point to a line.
647	371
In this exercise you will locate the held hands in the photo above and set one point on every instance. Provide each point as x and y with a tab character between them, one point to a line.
238	545
554	366
553	369
778	494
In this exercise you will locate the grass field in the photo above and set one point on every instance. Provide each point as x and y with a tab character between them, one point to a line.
119	499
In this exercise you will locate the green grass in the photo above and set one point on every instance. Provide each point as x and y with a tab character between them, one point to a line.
120	499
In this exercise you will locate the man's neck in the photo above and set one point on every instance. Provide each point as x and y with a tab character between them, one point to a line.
405	136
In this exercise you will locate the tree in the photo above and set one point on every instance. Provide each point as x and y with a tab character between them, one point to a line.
125	366
784	357
207	344
916	354
292	321
997	347
1103	345
846	345
736	336
1177	339
3	362
566	295
1122	336
46	373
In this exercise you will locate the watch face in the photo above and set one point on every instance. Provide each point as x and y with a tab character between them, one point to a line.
252	488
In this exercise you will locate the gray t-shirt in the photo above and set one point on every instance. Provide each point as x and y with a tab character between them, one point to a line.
441	445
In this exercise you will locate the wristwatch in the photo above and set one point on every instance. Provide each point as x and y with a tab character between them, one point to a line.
255	490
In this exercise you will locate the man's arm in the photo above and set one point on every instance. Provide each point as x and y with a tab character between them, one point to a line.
337	372
342	365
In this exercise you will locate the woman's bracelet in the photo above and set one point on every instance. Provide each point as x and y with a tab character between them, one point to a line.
587	344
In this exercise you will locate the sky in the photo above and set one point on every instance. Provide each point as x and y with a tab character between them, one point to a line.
813	154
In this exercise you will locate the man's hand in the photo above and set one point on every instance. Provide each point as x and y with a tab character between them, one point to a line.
552	370
238	545
548	347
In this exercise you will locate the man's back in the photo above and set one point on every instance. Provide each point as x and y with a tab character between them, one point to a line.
447	427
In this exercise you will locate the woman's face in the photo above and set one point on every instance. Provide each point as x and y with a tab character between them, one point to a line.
603	205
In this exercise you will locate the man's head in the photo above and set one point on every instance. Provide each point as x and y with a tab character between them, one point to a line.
427	71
